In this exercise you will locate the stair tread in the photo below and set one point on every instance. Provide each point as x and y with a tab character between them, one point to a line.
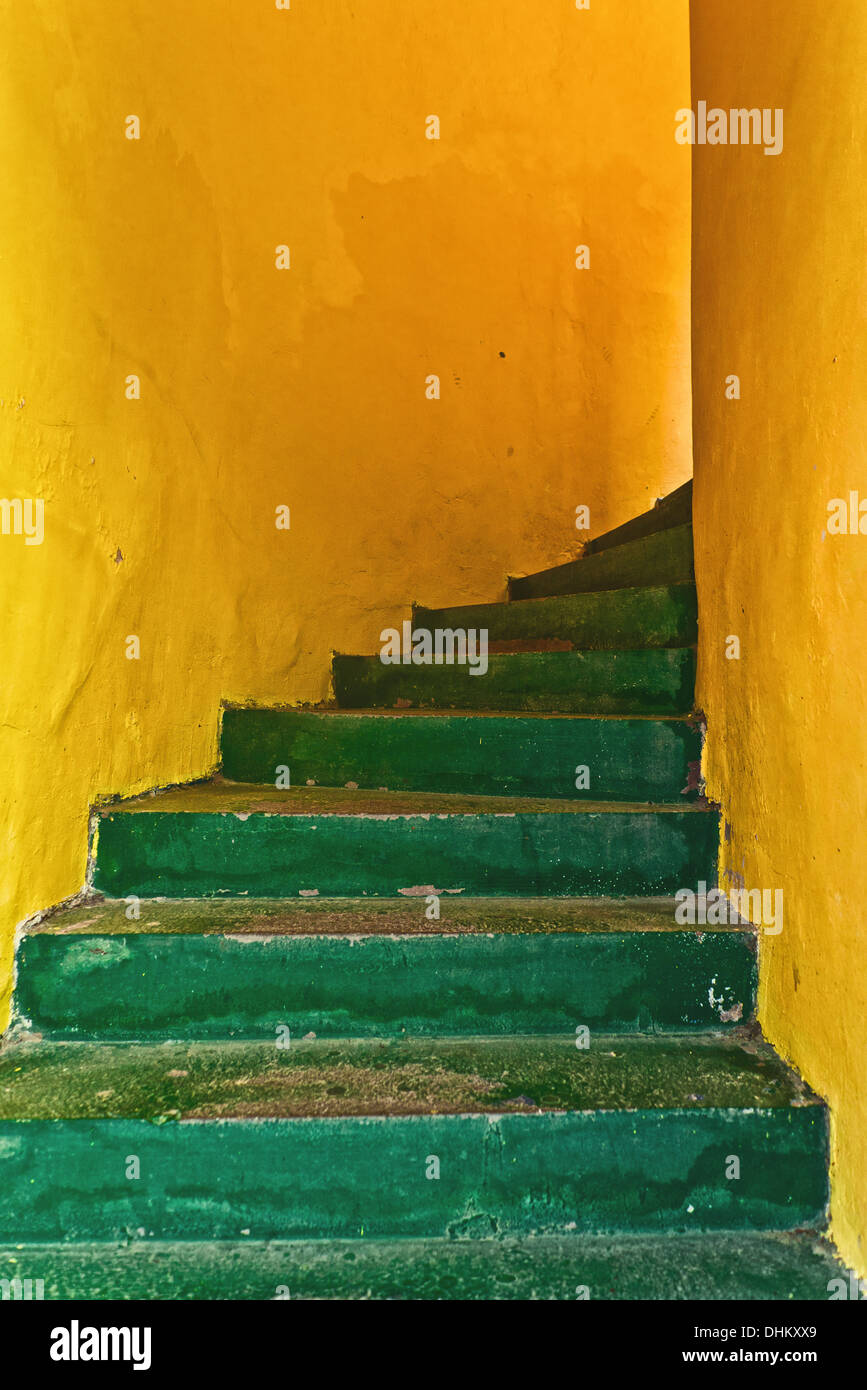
371	916
220	797
405	1077
537	656
718	1265
530	716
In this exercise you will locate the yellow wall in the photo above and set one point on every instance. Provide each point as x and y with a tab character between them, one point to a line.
306	387
780	288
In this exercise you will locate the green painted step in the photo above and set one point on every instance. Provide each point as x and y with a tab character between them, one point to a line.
489	755
747	1266
611	620
336	1140
663	557
673	510
656	681
365	916
213	985
225	838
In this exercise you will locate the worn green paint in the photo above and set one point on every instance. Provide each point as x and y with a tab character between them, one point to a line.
610	620
204	1080
262	1165
670	511
663	557
189	854
368	916
532	1135
655	681
747	1266
517	755
506	1174
213	986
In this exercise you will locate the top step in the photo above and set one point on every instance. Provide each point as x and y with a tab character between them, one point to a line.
663	557
673	510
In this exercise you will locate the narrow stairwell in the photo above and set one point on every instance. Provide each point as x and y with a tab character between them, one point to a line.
423	1024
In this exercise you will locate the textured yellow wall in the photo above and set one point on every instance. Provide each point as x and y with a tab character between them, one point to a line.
780	289
306	387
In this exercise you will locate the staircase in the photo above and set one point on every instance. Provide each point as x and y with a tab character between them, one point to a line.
422	1025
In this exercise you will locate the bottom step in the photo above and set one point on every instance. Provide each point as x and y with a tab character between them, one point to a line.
746	1267
410	1138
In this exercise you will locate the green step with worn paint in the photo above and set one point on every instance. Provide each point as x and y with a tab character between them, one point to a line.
488	755
655	681
325	1140
610	620
748	1265
228	838
215	985
668	512
663	557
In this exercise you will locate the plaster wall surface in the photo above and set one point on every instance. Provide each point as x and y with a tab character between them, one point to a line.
780	300
305	387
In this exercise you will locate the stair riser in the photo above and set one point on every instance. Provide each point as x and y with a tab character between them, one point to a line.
605	1171
155	854
663	558
627	759
619	619
158	986
758	1266
637	682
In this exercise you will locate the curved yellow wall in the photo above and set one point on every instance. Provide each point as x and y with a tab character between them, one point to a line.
306	387
780	287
